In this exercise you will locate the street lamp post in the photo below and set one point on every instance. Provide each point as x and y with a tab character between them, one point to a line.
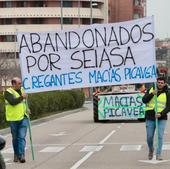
91	12
91	22
79	13
61	14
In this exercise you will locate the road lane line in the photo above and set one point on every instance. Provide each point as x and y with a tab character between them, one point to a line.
63	133
110	143
52	149
107	137
77	164
130	147
91	148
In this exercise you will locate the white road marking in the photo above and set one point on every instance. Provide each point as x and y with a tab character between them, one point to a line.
8	163
130	147
110	143
52	149
165	132
7	135
7	159
46	145
38	125
91	148
107	137
8	150
154	161
58	134
78	163
166	147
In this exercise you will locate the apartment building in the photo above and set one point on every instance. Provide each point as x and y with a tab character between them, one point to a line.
123	10
45	15
42	15
163	57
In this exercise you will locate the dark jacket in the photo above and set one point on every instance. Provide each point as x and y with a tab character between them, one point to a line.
11	99
150	114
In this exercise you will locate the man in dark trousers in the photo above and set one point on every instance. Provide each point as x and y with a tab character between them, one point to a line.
163	107
16	114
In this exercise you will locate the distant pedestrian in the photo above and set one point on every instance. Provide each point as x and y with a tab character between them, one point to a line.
163	107
16	114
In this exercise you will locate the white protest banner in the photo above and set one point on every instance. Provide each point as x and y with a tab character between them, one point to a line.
121	106
95	55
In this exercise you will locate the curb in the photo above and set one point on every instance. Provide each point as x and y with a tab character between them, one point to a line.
48	118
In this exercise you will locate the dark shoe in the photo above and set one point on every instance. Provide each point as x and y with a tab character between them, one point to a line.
150	155
22	159
16	158
158	157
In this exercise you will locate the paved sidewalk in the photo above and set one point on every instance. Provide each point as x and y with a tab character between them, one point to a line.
48	118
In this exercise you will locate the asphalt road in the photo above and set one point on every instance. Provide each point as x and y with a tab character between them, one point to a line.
73	141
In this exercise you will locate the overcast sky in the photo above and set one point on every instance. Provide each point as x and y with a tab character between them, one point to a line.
161	11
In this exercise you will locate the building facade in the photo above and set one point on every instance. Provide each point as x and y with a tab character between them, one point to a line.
123	10
42	15
46	15
50	15
163	57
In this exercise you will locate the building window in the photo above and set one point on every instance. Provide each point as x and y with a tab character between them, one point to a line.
7	38
7	4
85	4
7	21
38	4
37	20
85	21
7	55
95	5
22	4
137	2
21	21
67	20
136	16
67	4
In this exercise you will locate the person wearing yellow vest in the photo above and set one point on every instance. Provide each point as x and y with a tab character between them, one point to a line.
163	107
15	106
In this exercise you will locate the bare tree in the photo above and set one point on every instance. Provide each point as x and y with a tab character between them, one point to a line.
8	68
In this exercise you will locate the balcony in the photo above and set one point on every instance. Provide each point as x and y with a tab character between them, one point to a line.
49	12
12	29
8	47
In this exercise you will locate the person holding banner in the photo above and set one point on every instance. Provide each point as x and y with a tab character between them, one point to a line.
163	107
16	114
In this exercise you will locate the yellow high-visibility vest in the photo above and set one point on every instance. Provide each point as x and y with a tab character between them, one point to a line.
15	112
161	102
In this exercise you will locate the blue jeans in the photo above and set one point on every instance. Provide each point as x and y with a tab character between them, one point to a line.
150	130
18	131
